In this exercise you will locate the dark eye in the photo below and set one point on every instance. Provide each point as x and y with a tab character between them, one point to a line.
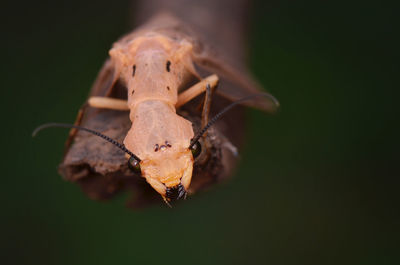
134	165
196	149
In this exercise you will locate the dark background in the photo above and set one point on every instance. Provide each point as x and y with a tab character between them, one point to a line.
318	182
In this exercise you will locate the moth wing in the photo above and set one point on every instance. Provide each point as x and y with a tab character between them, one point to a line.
102	86
242	84
105	81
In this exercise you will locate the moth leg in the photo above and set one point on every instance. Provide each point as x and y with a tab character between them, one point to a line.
108	103
73	131
205	115
196	90
207	105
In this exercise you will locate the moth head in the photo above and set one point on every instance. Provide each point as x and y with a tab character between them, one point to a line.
169	172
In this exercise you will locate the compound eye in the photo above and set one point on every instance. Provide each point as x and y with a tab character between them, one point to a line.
134	165
196	149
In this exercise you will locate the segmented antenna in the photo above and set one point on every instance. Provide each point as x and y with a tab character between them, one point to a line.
226	109
105	137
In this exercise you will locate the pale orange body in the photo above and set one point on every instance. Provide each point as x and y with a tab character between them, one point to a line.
155	63
153	68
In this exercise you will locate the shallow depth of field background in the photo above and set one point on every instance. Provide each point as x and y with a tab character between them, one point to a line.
318	182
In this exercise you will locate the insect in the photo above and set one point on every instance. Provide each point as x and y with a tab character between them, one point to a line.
155	66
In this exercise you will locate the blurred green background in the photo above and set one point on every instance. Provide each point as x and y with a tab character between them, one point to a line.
318	182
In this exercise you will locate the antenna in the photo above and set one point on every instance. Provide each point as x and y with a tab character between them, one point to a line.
105	137
226	109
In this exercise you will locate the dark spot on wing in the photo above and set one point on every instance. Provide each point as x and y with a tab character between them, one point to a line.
133	70
168	66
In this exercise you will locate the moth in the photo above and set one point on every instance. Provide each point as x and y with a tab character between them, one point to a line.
151	74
